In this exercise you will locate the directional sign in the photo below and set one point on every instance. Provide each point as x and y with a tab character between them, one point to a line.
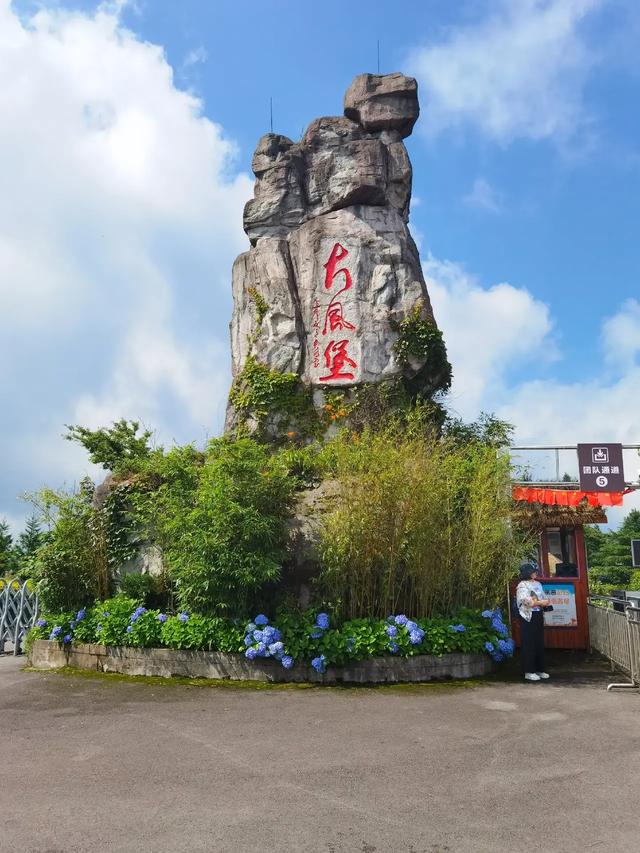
601	468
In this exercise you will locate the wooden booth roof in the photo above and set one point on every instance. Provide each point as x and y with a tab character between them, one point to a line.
535	516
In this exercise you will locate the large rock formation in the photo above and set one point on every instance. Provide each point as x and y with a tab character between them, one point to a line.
333	278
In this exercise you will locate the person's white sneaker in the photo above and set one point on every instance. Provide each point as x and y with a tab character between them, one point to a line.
531	676
542	674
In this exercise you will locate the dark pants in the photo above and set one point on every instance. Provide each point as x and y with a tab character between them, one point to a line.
532	643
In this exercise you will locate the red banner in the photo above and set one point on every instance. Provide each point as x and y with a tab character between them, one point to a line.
567	497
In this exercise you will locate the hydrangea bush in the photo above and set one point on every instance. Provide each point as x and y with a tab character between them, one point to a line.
293	637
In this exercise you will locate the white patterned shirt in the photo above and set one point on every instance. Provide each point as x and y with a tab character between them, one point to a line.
527	593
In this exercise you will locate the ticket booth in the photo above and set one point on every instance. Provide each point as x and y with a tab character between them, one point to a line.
562	558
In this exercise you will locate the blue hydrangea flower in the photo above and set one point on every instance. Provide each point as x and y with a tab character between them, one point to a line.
287	661
393	647
99	627
391	618
80	615
162	617
401	619
319	664
315	635
410	626
183	617
41	623
489	647
251	627
351	644
322	621
137	613
248	640
106	613
261	648
392	631
499	627
459	628
416	637
251	654
72	624
129	629
55	633
67	638
261	619
497	657
257	636
488	614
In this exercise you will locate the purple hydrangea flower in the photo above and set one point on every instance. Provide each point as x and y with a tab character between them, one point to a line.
41	623
137	613
81	614
55	633
251	654
401	619
261	619
392	631
287	661
66	638
322	621
416	637
319	664
162	617
183	617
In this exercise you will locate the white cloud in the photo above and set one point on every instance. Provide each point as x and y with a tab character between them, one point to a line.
197	56
120	217
490	331
487	331
483	196
621	335
520	72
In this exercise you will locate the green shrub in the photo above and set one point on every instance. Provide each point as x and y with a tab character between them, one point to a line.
221	524
421	525
72	567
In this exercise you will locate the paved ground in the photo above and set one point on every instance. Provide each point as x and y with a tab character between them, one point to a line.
101	764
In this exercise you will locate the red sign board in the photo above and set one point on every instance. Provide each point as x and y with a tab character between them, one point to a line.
601	467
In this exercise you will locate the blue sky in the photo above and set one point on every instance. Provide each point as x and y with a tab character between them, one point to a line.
127	131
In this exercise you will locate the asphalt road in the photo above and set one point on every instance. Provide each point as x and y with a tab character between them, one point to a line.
101	764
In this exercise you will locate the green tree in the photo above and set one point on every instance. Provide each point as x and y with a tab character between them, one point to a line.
8	561
610	553
31	538
113	448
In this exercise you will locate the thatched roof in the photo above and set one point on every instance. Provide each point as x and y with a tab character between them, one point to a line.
537	516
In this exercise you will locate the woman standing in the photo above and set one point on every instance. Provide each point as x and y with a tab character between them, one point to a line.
530	600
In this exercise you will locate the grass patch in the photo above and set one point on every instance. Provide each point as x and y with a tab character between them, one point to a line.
232	684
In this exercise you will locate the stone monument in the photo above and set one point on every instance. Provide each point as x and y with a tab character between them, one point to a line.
331	296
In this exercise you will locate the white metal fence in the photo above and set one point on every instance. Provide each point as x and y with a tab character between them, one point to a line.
18	612
614	631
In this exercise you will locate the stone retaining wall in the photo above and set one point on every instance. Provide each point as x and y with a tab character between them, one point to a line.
48	654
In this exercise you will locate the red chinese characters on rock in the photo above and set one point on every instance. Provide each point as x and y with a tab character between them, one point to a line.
337	360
